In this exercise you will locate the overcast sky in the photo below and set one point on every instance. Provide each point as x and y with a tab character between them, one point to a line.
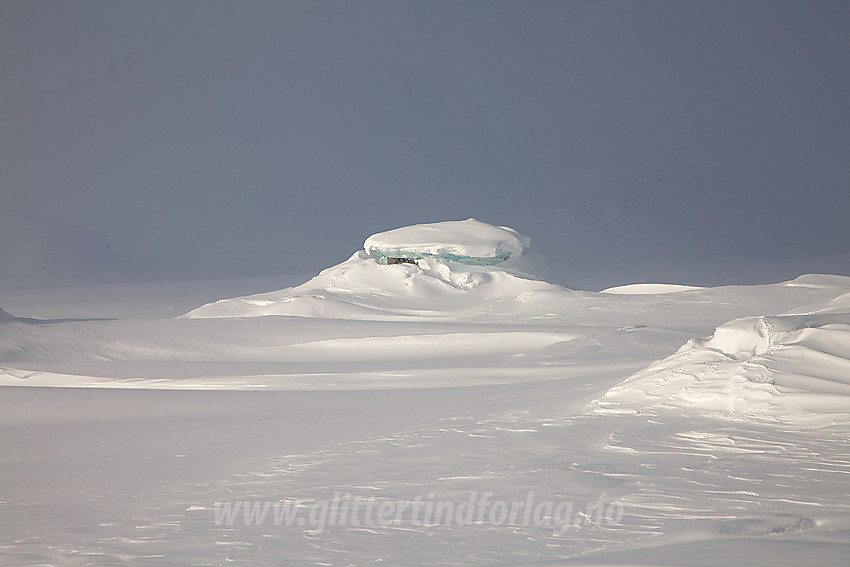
248	138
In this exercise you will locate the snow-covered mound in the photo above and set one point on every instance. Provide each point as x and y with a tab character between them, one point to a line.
791	368
840	304
649	289
37	251
6	317
469	241
451	269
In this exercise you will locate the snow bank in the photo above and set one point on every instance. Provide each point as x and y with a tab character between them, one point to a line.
793	368
649	289
452	272
469	241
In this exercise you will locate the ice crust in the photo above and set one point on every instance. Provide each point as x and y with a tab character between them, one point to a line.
469	241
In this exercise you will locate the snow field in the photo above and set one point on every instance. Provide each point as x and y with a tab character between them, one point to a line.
715	419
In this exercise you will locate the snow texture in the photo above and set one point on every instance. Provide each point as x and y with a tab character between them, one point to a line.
715	419
786	368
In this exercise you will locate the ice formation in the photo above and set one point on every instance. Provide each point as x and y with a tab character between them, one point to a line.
447	269
468	242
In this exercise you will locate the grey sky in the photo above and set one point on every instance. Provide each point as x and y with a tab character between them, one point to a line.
225	138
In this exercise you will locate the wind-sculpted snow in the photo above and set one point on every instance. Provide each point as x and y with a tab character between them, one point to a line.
362	288
470	241
453	269
793	369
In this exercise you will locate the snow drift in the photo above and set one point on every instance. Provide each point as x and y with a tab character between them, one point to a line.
450	269
649	289
791	368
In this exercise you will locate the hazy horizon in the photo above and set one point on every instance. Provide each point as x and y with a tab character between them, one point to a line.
214	139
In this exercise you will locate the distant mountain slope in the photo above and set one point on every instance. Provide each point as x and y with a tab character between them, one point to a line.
42	252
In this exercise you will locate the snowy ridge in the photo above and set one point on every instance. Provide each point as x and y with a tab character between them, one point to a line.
793	369
6	317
